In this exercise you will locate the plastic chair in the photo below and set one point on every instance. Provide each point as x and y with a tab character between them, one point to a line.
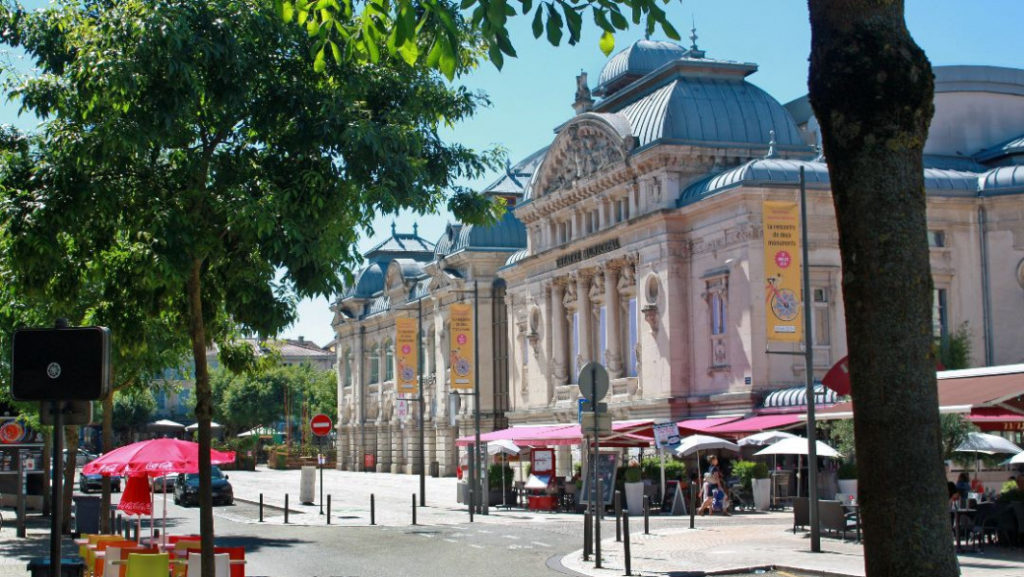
221	565
117	558
237	556
148	565
97	554
181	552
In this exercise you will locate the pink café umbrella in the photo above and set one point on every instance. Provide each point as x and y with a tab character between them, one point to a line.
137	499
154	457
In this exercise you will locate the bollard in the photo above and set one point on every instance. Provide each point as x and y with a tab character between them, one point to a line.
597	525
618	516
373	520
414	508
693	504
625	540
328	509
587	536
261	507
286	508
647	514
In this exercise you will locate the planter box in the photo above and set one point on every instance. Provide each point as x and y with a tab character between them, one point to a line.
635	498
762	489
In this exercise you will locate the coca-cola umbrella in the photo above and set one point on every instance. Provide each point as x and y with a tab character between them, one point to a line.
154	457
137	499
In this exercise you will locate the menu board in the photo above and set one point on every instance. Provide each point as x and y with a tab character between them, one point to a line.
606	470
543	462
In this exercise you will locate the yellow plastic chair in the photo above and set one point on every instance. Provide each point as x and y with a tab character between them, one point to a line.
148	565
221	565
97	554
96	543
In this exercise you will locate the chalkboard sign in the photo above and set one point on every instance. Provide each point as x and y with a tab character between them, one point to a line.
674	500
606	470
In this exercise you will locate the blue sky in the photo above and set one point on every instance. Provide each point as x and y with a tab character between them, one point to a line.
533	94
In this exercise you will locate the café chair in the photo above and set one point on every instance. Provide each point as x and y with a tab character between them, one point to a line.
148	565
221	565
237	556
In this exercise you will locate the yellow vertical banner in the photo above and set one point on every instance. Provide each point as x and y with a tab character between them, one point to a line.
462	342
782	284
407	358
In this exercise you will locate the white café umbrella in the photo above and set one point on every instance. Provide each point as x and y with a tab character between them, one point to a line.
503	447
1017	459
698	443
988	444
799	446
764	438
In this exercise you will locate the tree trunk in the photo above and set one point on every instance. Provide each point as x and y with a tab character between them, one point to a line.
203	415
872	89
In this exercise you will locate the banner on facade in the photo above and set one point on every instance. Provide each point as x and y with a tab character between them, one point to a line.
782	283
407	359
463	341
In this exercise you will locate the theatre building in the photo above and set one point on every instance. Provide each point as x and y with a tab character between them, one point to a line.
644	226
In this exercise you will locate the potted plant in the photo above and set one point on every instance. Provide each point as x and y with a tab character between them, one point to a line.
495	485
762	487
847	476
634	489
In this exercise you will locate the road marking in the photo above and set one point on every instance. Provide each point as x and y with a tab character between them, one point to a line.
475	545
539	544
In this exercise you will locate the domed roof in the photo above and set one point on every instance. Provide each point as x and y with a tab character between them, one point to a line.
1002	180
506	234
369	282
635	61
517	256
446	244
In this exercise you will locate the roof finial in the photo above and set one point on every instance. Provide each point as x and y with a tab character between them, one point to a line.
392	228
584	101
694	51
771	144
415	229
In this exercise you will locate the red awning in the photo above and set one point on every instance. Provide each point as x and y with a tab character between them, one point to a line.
700	425
624	433
756	424
996	419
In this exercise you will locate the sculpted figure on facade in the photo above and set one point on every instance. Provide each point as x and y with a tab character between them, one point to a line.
627	278
597	288
569	298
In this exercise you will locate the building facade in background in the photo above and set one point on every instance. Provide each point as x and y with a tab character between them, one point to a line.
643	228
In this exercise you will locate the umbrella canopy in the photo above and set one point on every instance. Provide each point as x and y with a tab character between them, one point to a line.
798	446
695	443
502	447
1017	459
988	444
136	499
153	457
258	432
764	438
195	426
165	425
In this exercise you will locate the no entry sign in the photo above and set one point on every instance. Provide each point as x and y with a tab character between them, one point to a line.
320	425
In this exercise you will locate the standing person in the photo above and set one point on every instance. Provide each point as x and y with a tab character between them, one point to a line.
714	490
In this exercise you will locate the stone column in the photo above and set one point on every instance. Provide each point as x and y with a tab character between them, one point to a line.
557	331
370	445
383	447
613	321
396	460
583	308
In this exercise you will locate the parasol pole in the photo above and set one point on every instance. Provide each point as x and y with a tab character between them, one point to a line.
504	499
163	538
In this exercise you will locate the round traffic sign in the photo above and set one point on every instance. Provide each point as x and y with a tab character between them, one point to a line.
320	425
593	381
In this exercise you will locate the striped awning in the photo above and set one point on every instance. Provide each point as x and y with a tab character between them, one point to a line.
794	399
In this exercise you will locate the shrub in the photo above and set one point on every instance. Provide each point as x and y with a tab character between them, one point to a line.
494	476
847	470
747	470
633	475
651	469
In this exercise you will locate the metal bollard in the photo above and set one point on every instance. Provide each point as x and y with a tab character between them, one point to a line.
587	536
618	516
414	508
328	509
647	515
373	520
261	507
625	541
693	504
286	508
597	525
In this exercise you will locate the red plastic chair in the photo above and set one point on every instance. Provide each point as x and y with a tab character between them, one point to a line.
235	554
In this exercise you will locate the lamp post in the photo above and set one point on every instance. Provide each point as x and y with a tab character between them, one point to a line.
812	449
421	398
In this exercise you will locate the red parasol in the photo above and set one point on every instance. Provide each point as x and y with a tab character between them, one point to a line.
154	457
136	498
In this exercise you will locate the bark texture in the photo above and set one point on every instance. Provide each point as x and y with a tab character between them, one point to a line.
872	90
203	415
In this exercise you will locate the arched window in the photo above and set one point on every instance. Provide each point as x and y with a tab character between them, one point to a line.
389	361
374	361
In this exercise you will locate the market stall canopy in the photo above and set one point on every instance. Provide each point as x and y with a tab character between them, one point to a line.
988	444
623	433
977	393
798	446
755	424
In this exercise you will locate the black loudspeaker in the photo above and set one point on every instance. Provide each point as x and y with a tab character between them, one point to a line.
68	364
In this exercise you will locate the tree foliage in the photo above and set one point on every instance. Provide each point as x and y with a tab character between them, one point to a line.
189	155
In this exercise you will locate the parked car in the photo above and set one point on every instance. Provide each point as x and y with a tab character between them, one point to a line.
186	488
81	457
89	483
157	483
